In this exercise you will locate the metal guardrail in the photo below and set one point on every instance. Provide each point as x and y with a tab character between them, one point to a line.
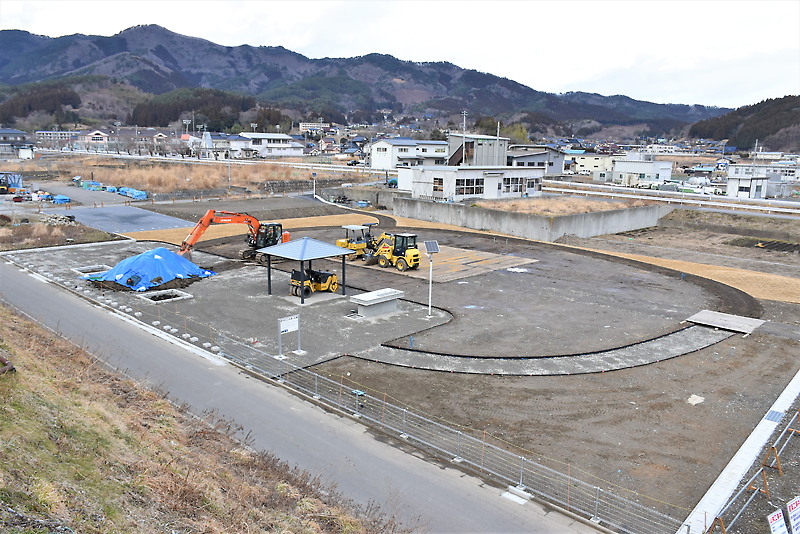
485	459
681	199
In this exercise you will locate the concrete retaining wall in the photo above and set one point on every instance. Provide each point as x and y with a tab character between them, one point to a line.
732	230
532	226
376	197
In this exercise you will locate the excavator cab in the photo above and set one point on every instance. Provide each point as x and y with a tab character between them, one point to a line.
268	234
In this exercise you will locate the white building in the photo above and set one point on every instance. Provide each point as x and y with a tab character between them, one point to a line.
398	152
270	145
638	167
458	183
747	187
598	166
661	149
787	170
313	126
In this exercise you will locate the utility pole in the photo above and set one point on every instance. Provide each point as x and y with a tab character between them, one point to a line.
464	130
497	148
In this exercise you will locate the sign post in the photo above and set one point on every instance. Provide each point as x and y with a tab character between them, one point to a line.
286	325
431	248
777	525
793	507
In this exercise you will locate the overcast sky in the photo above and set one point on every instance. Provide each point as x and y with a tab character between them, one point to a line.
723	53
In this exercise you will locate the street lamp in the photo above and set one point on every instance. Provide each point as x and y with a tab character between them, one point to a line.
254	125
431	248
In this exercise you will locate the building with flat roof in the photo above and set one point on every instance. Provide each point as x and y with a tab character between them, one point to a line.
457	183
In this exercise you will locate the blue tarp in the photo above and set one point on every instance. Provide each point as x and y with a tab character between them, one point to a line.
61	199
151	269
132	193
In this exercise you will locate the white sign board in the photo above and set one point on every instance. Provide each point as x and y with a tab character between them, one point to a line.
289	324
794	514
776	523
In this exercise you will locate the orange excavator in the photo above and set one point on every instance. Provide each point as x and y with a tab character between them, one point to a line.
261	234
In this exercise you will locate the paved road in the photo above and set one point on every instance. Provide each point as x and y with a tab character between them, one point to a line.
124	219
338	449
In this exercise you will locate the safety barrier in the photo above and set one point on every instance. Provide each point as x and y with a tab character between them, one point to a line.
736	506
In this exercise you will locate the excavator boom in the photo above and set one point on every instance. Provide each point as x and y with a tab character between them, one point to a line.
223	217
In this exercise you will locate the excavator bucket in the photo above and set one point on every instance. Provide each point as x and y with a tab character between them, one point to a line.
370	259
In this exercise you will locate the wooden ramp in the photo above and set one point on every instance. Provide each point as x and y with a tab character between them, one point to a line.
725	321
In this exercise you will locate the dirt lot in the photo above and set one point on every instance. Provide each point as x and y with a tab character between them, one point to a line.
630	430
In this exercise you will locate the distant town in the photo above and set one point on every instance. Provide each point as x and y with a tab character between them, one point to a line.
697	166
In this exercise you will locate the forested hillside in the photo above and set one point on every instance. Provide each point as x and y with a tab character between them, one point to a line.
774	122
151	59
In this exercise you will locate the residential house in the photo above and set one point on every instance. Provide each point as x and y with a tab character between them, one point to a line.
328	145
270	145
14	144
458	183
549	158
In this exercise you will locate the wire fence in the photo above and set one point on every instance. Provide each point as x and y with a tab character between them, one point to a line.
471	453
490	461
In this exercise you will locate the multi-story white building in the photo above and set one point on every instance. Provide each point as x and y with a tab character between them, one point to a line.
313	126
398	152
661	149
787	170
268	145
458	183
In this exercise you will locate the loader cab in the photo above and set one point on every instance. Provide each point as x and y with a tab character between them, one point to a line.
269	234
403	242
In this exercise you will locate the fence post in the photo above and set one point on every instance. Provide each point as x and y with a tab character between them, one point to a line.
521	470
458	447
316	386
404	435
596	505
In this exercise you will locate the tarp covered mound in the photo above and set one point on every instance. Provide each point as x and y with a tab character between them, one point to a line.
61	199
155	269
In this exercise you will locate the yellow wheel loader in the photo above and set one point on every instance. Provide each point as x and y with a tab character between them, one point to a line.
399	250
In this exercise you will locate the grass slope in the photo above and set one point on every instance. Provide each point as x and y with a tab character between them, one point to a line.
85	450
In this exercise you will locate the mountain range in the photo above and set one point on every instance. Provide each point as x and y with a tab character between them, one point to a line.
156	60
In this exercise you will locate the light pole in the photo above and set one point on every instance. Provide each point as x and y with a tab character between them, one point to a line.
254	125
431	247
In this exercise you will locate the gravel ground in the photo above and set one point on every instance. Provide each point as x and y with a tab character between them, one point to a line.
626	430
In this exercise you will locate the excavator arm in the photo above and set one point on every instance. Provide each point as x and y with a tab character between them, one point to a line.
213	216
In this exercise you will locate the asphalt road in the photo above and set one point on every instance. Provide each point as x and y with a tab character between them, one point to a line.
340	450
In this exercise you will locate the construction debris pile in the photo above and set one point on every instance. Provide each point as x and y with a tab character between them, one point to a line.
155	269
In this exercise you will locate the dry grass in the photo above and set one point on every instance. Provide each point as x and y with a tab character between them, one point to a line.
559	206
83	450
169	177
38	234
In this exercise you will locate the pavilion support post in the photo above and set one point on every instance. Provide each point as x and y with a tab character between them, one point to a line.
343	275
269	274
302	284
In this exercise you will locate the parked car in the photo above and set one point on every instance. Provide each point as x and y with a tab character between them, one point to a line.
17	198
352	163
